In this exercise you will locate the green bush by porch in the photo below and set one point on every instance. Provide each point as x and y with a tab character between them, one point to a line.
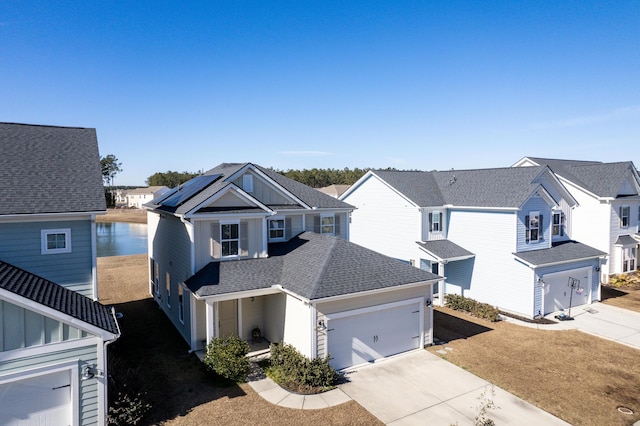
228	357
475	308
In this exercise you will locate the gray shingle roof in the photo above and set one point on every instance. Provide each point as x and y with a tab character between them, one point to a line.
501	187
564	251
311	265
626	240
445	249
310	196
601	179
49	169
54	296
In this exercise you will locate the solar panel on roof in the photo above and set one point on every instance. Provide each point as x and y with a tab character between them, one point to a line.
188	189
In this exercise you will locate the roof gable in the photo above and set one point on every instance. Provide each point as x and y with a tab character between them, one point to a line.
39	163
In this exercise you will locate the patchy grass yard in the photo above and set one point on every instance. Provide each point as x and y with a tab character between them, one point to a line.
580	378
152	358
626	294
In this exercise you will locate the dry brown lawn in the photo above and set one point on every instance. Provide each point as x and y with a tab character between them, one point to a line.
123	215
151	357
580	378
628	298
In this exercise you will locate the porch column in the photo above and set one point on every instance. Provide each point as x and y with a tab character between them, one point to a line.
441	284
210	317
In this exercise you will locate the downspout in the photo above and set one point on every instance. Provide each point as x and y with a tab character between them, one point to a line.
106	368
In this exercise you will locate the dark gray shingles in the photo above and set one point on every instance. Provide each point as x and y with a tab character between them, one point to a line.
626	240
601	179
503	187
419	187
54	296
445	249
311	265
49	169
564	251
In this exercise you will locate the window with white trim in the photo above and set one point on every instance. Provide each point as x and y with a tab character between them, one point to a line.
230	239
180	304
55	241
532	222
435	222
168	286
625	214
327	224
276	229
155	276
558	224
629	259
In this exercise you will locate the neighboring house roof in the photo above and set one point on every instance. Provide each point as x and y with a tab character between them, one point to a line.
601	179
626	240
310	265
146	190
57	297
49	169
445	250
560	252
334	190
220	179
501	187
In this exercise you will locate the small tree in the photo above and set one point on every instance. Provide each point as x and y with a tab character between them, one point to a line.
228	357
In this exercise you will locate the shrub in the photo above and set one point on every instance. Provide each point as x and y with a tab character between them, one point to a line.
294	371
228	357
127	410
475	308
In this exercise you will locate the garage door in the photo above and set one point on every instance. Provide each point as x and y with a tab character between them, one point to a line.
41	400
365	335
570	287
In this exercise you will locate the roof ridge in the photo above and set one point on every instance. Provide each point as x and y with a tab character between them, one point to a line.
324	265
45	125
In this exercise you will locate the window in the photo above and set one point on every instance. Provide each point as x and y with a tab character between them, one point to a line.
628	259
435	222
558	224
180	304
155	276
533	224
168	284
229	239
54	241
327	224
625	213
276	229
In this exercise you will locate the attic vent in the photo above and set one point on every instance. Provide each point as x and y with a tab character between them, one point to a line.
247	183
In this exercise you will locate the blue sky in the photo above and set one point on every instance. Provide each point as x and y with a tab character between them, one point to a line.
300	84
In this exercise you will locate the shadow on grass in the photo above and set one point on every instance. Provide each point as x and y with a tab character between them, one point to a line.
611	293
449	327
152	358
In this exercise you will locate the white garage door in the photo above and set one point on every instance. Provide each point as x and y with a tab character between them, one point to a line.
41	400
364	335
566	288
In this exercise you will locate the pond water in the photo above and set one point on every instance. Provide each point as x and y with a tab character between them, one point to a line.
121	239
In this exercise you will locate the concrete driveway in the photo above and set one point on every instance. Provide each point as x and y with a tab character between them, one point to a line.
599	319
420	388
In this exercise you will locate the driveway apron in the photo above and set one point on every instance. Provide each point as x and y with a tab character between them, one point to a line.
420	388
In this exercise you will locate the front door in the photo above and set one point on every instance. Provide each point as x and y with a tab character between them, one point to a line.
228	318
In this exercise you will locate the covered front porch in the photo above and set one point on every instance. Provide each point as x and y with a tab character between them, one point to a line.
256	317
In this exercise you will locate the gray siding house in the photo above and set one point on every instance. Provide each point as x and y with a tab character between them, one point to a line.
242	248
53	332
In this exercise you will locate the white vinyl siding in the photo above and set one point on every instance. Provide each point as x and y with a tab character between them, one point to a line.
207	240
384	221
297	325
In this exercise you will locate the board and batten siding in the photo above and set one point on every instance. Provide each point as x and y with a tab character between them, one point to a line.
252	315
384	221
171	250
497	278
263	191
323	309
341	223
274	318
20	245
22	328
88	389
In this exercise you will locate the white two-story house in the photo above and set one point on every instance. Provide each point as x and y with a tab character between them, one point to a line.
242	249
53	332
497	235
608	212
